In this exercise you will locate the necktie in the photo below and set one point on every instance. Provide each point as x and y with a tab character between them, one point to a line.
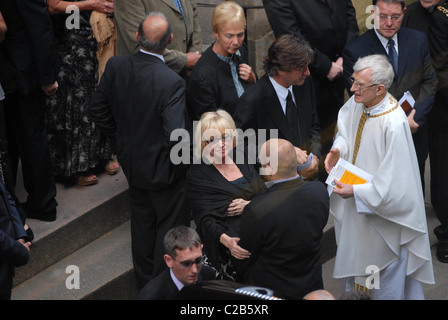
179	6
293	117
393	55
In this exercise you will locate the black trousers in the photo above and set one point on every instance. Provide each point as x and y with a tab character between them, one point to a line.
27	142
153	213
438	157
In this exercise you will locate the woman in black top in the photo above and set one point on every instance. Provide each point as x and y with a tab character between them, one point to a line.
219	187
222	73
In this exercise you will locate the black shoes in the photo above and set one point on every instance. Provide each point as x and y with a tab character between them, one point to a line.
442	252
43	216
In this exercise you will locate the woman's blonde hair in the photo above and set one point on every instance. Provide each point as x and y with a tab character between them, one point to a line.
212	124
228	12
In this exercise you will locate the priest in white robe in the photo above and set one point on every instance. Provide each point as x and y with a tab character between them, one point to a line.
380	225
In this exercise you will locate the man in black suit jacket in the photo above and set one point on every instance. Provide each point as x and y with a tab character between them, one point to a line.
283	227
264	105
415	72
29	48
328	25
140	101
184	259
431	17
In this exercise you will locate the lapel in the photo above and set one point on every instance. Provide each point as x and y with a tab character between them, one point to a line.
376	47
171	4
275	112
403	51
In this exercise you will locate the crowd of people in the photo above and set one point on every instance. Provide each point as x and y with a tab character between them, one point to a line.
108	93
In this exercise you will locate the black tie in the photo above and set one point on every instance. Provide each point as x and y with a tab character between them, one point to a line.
393	55
292	116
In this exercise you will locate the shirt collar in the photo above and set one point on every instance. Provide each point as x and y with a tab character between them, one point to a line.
178	284
269	184
384	40
153	54
282	92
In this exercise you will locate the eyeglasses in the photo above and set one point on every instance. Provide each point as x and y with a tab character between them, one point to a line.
395	17
360	87
224	138
188	263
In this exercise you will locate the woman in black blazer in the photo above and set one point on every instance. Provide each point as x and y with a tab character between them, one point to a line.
219	187
222	73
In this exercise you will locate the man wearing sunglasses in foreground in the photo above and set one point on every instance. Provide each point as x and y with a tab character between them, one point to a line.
184	259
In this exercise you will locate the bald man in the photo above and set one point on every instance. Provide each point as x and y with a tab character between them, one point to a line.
283	227
140	101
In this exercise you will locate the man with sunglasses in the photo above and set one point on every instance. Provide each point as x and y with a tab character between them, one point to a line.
409	54
184	259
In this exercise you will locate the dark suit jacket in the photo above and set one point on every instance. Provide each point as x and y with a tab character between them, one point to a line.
162	287
140	100
259	108
12	253
29	43
328	25
415	71
282	229
210	194
211	86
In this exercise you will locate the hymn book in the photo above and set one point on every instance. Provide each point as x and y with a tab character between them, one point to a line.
407	102
348	173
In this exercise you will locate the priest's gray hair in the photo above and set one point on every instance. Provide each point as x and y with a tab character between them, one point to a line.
382	71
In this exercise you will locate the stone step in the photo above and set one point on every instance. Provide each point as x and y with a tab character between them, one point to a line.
104	267
84	214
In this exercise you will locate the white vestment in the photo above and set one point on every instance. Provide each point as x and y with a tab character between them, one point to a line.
388	212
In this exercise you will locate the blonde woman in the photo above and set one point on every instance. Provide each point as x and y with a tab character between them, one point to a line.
218	189
222	74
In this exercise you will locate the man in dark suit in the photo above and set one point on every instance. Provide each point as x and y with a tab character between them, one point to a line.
29	48
414	71
431	17
284	100
283	227
140	101
184	259
328	25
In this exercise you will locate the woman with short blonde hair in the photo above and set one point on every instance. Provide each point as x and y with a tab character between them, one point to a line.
218	189
223	73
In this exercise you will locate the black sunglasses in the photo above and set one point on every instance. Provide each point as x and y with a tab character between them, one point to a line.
188	263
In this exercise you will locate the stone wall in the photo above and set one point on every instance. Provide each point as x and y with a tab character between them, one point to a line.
259	33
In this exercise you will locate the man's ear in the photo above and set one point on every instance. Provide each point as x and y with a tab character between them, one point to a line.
171	38
137	36
380	89
168	260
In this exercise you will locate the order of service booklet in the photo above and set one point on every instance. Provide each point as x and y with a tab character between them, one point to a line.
346	172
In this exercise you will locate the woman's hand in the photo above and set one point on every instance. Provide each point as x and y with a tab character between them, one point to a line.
246	73
232	244
104	6
236	207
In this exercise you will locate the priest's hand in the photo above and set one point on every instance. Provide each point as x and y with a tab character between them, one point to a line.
331	159
343	189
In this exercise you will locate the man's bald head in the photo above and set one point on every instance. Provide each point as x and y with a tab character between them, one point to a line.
281	152
154	32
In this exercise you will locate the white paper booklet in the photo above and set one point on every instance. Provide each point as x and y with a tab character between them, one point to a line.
346	172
